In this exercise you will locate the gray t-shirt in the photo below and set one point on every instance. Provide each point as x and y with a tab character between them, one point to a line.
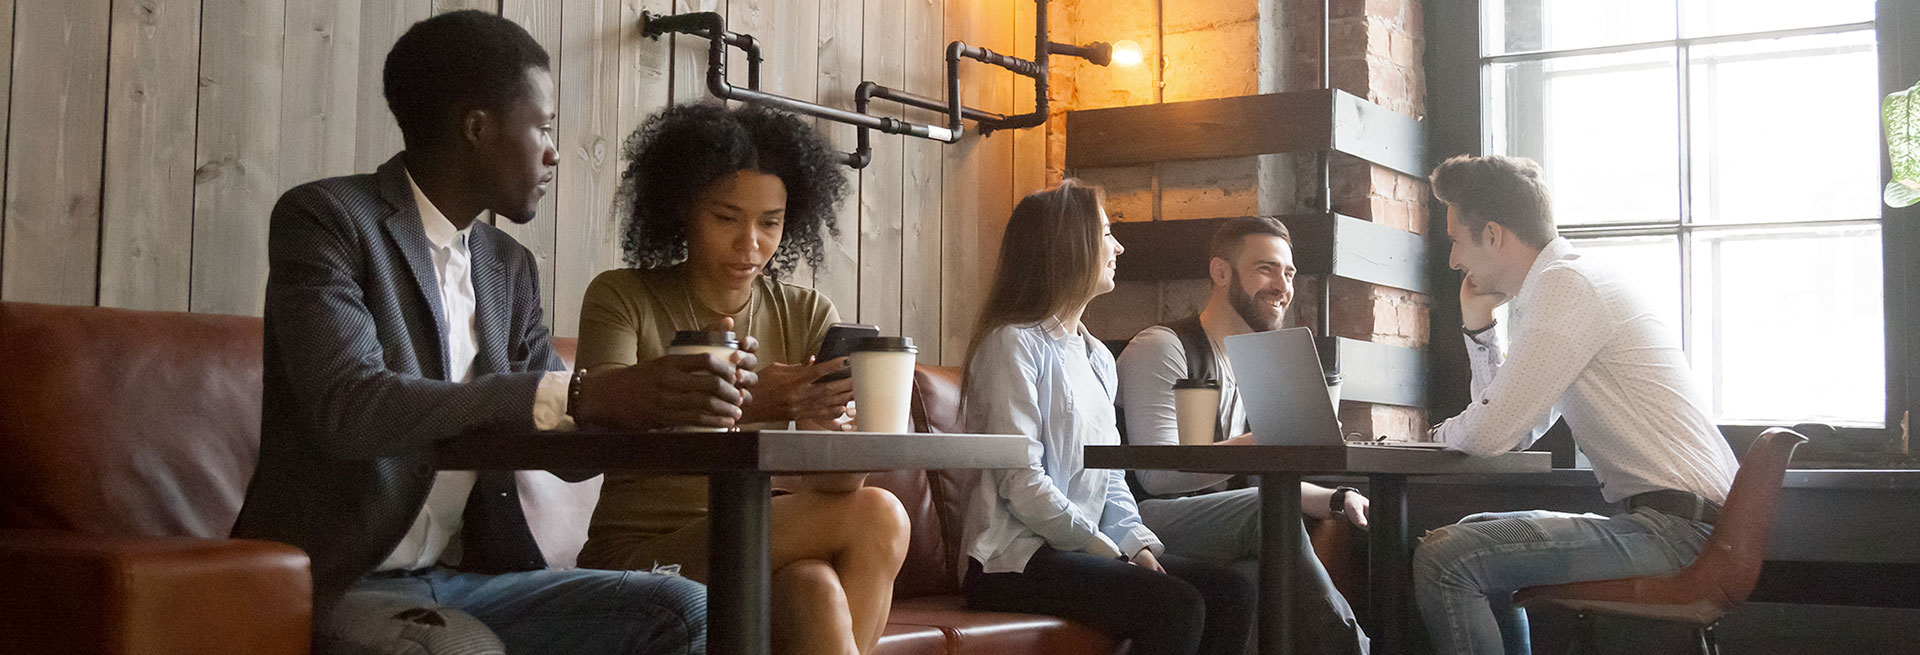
1149	366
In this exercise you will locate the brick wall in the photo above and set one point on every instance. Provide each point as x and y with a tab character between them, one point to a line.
1197	49
1376	54
1192	51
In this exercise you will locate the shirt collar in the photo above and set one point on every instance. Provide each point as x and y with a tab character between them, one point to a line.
1054	328
1557	249
440	231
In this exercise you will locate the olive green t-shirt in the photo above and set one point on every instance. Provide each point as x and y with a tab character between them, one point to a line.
629	316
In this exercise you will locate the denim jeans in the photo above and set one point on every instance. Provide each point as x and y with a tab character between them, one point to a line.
1464	574
1224	528
440	611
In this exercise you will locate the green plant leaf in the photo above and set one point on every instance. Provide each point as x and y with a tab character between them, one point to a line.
1899	194
1902	110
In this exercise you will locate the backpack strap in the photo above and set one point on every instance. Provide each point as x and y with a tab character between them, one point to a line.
1193	339
1199	352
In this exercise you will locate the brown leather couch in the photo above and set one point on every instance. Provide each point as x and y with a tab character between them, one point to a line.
126	442
127	439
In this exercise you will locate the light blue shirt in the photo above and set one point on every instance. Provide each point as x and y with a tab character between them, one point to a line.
1056	388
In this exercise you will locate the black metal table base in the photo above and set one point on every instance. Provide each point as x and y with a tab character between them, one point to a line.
738	593
1280	539
1388	551
1388	568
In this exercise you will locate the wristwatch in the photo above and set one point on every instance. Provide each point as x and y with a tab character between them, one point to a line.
576	385
1338	501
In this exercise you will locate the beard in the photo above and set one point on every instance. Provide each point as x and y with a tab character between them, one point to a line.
1252	312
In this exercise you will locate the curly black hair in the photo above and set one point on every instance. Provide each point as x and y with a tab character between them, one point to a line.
678	153
453	62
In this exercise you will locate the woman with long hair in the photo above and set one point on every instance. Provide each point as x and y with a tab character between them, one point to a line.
718	204
1055	537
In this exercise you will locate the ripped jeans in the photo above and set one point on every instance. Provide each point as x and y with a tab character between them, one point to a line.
439	611
1464	574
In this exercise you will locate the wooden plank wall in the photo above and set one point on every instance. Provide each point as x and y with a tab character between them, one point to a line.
146	142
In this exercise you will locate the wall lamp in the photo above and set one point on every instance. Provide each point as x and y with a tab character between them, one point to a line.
712	26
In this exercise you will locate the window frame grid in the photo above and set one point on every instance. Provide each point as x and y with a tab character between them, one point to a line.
1684	227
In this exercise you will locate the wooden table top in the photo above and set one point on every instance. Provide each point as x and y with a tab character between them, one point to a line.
771	451
1312	459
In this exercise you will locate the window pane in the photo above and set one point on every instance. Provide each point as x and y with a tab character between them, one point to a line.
1530	25
1786	129
1651	265
1711	17
1787	324
1605	127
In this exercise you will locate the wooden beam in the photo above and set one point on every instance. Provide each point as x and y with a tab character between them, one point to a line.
1323	243
1295	121
146	224
57	125
1198	129
1371	252
1383	374
922	190
237	163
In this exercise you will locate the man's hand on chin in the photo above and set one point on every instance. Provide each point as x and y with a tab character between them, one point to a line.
1477	305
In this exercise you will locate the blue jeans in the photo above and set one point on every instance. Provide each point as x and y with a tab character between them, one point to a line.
440	611
1464	574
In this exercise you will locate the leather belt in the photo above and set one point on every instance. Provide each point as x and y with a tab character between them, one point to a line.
1683	504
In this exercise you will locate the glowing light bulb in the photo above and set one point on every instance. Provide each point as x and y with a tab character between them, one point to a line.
1126	53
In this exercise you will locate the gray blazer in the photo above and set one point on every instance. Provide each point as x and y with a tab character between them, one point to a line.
355	380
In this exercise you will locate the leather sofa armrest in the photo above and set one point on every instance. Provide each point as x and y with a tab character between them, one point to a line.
69	592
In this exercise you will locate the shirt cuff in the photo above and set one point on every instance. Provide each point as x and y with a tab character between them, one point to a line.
1139	539
550	402
1101	546
1482	339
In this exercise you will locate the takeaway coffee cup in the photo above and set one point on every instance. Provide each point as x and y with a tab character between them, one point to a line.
883	383
1196	409
1333	390
703	342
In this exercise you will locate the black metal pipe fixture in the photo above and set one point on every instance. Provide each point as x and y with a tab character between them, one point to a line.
1323	164
712	26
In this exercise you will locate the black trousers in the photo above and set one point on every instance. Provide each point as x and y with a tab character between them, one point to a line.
1194	607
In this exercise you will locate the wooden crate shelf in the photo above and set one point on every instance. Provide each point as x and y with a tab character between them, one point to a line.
1295	121
1323	244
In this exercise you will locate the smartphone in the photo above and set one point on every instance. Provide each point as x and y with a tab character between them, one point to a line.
839	342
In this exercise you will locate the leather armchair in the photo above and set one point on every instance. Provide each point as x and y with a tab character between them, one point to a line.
126	441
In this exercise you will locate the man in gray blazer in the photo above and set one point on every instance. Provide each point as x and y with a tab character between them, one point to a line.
395	323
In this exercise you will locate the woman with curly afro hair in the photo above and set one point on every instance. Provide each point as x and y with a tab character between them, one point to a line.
718	204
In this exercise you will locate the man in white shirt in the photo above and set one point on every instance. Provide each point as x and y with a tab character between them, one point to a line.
1586	346
1210	517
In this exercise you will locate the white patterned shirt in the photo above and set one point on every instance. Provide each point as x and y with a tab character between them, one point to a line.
1586	346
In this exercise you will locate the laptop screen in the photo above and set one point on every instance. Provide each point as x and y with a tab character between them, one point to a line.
1284	388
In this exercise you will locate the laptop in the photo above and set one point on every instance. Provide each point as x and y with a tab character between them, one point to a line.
1285	392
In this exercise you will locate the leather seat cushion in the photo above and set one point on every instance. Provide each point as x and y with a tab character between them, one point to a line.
999	633
907	639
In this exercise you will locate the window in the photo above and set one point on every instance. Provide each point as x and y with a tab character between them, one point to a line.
1725	154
